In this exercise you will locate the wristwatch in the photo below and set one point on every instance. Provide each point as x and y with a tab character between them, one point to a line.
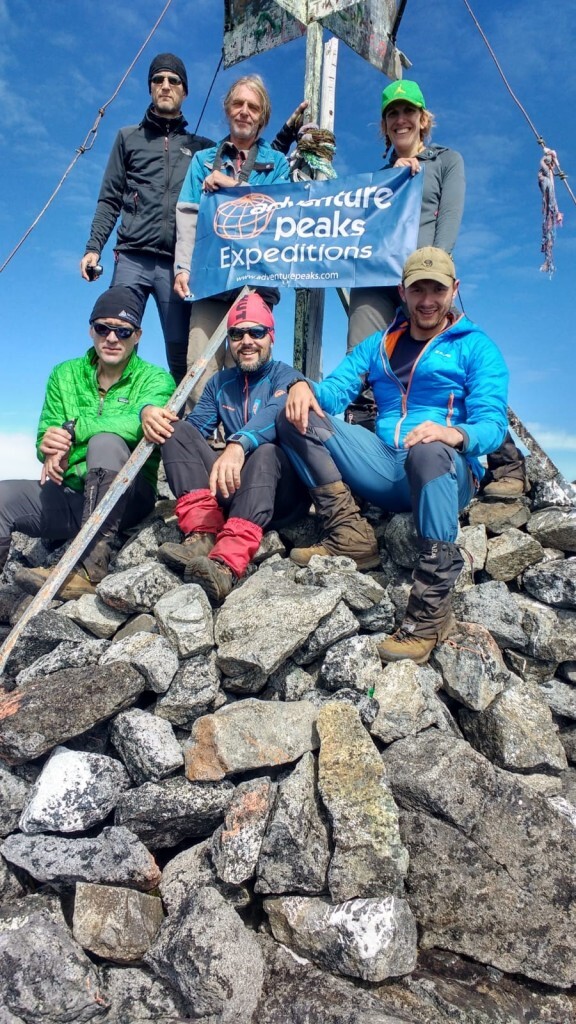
70	426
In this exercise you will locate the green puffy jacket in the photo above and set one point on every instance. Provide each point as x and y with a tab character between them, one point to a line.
72	394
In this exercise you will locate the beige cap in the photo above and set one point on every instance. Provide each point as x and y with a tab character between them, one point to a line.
429	264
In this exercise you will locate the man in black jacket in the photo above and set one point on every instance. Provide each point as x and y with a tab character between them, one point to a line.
141	185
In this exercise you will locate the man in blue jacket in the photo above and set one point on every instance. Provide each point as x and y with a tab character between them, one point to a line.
440	386
225	503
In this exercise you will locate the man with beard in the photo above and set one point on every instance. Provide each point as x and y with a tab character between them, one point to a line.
440	387
225	503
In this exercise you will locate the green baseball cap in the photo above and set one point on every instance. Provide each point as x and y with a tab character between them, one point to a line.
402	89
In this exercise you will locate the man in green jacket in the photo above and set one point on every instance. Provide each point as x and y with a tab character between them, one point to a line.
92	418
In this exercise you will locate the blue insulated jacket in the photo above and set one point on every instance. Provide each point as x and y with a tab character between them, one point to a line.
246	404
459	380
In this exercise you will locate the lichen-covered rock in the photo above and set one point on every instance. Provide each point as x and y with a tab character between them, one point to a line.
210	958
164	813
369	858
236	844
492	602
497	857
146	744
90	612
295	852
340	624
358	590
510	553
192	869
372	939
68	654
516	731
353	663
65	704
13	797
554	527
41	635
551	632
74	791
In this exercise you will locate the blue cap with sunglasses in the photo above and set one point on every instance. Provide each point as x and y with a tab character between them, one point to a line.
120	302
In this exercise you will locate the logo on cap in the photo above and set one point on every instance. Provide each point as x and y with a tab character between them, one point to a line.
428	263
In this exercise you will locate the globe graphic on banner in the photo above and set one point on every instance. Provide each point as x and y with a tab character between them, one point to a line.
245	217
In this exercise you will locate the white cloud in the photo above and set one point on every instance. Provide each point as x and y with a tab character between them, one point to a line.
18	457
553	440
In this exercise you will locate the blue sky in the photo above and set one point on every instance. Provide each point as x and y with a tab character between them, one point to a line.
60	61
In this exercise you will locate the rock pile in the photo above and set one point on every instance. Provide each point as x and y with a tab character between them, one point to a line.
240	816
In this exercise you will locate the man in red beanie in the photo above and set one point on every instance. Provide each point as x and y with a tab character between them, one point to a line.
225	503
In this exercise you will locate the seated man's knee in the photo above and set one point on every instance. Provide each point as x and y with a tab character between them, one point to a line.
426	461
107	451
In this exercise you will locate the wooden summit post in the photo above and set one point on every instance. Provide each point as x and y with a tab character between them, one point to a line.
369	27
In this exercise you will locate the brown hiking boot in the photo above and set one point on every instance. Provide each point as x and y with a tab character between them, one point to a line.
346	532
215	578
178	556
506	488
74	586
406	643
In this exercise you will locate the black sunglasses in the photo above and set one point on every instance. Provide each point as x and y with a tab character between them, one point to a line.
122	333
257	333
172	79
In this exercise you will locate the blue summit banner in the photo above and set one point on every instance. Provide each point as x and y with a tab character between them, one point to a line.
349	233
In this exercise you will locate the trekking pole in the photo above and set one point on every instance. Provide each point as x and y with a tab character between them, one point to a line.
121	483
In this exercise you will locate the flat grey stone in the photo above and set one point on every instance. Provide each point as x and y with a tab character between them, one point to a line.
406	701
41	635
115	857
13	797
68	654
341	623
560	697
250	734
554	527
138	589
498	856
493	606
516	731
471	666
554	583
359	590
353	663
90	612
136	997
116	923
150	654
263	622
184	616
551	631
143	623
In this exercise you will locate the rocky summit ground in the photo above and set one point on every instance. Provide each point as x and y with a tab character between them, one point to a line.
239	815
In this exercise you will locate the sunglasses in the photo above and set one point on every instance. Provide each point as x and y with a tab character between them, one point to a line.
172	79
122	333
256	333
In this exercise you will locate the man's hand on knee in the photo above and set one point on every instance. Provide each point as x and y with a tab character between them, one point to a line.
429	431
298	404
225	475
157	423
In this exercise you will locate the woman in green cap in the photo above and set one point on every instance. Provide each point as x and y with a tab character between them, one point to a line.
406	126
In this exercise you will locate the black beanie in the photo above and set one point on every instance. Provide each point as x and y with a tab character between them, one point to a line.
168	62
120	302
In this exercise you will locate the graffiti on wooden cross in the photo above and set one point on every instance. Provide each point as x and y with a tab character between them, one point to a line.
366	26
